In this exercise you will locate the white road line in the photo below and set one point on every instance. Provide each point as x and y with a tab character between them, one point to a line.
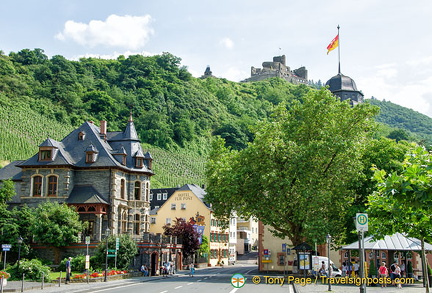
101	290
189	283
199	280
163	291
178	287
233	290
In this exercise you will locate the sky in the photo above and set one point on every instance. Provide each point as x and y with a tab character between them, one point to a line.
385	46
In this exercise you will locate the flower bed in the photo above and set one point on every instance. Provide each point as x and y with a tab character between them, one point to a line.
99	276
4	275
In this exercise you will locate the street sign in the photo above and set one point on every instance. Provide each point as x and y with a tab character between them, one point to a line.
87	240
362	222
111	250
117	243
283	247
266	251
111	255
6	247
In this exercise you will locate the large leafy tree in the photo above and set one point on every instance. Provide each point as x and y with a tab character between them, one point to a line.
125	254
56	224
187	234
296	176
403	200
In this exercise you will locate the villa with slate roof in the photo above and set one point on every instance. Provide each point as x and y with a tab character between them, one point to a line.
104	175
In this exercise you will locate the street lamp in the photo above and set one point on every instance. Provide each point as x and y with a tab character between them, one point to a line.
20	241
328	238
107	232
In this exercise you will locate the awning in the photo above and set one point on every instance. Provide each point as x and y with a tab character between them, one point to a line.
397	242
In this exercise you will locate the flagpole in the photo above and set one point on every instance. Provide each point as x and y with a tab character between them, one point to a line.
339	49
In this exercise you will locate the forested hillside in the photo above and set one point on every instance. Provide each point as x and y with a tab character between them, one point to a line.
175	114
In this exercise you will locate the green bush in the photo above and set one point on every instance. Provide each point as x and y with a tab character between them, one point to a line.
33	270
372	268
77	264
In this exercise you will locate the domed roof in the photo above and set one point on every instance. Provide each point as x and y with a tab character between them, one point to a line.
341	82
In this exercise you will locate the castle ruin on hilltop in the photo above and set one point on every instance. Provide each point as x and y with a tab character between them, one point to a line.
278	68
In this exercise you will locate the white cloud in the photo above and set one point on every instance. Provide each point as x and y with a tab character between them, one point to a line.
129	32
227	43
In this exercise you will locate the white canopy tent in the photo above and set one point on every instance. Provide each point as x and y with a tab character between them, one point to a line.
397	242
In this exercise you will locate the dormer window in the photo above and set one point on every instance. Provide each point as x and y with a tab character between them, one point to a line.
48	150
139	162
45	155
81	135
91	154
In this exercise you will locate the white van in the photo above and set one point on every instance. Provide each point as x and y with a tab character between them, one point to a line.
317	263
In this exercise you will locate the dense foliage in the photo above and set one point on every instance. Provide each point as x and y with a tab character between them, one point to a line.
187	235
297	175
125	254
174	113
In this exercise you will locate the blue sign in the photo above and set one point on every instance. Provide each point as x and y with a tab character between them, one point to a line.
200	231
6	247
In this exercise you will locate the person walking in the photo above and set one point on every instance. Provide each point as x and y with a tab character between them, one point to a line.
192	270
68	270
383	273
397	276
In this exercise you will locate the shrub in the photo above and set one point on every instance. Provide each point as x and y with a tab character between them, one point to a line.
77	264
33	270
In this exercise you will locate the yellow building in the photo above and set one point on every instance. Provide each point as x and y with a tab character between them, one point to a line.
187	202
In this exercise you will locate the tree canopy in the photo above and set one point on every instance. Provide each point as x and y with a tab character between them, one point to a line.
187	234
297	174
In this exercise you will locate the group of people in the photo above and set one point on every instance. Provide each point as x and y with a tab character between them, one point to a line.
348	268
167	268
395	273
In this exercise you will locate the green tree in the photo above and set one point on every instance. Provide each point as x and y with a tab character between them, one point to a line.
57	224
403	200
127	250
296	176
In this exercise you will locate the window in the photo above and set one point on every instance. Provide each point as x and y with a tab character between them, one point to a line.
165	196
45	155
81	135
137	224
168	221
139	162
152	220
383	255
37	186
124	222
151	196
122	188
147	191
52	186
183	206
91	157
173	206
159	196
137	190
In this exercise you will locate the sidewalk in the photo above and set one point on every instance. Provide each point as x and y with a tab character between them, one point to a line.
16	286
415	288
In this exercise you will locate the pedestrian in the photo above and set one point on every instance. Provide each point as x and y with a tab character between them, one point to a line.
383	273
192	270
397	276
144	270
68	270
356	268
392	274
344	269
402	267
322	271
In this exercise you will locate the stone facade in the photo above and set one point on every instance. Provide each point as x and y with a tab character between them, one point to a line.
278	68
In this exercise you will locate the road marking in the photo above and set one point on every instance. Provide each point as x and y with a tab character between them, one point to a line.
163	291
233	290
189	283
178	287
199	280
122	286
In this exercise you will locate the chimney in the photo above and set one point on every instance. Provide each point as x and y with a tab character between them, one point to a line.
103	129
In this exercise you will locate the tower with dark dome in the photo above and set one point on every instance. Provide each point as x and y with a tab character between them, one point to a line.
345	88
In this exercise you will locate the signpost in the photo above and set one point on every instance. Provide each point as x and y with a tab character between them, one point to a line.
5	248
362	222
116	248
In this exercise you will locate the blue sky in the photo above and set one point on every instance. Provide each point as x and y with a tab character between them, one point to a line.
386	46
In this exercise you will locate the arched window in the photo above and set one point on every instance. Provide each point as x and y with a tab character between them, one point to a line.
122	189
137	224
37	186
52	185
137	190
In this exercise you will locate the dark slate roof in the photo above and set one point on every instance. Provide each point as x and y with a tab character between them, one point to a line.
197	190
85	194
341	82
158	203
72	152
11	171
